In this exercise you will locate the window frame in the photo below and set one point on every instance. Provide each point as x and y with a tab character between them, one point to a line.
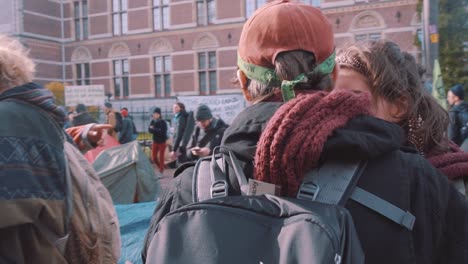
82	73
367	36
254	5
206	12
164	75
120	14
122	77
164	20
206	70
80	19
315	3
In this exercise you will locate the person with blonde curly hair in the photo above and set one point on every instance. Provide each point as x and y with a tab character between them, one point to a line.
16	67
40	193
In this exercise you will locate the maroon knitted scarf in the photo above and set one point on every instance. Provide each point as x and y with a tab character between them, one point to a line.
454	163
294	137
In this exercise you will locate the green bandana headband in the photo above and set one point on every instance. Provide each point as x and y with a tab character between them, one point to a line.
268	76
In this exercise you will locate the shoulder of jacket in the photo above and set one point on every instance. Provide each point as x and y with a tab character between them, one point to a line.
408	149
11	106
13	110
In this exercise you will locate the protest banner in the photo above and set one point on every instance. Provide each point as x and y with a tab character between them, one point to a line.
225	106
90	95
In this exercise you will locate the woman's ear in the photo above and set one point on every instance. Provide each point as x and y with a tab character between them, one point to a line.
243	81
399	109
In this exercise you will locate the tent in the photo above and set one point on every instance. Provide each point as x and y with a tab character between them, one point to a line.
110	142
127	173
134	220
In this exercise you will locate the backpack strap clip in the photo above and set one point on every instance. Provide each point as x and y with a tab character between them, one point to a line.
219	188
308	191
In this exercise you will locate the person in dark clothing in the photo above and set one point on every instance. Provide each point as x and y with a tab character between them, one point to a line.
158	128
135	132
207	134
294	126
183	127
126	134
82	116
393	80
457	130
68	119
38	184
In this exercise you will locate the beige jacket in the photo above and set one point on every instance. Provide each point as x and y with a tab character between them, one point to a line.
110	119
95	234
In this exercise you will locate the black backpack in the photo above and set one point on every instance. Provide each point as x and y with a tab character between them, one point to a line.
312	228
118	122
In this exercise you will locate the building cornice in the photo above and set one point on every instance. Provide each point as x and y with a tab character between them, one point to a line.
155	34
369	6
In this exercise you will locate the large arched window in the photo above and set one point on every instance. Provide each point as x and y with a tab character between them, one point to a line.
367	25
119	53
81	69
205	46
162	67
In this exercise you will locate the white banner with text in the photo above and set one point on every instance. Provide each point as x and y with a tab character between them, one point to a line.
84	94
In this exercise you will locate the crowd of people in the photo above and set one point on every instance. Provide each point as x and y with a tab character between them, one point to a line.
309	104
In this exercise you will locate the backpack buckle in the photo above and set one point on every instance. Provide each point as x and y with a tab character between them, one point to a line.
308	191
219	189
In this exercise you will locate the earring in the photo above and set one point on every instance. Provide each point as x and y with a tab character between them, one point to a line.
414	124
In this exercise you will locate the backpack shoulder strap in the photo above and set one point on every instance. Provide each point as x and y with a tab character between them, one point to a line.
379	205
218	175
335	183
201	182
332	182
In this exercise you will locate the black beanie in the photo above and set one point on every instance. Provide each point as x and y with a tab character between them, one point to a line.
203	113
157	110
458	91
108	105
80	108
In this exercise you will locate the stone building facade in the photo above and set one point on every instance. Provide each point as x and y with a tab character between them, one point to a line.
166	48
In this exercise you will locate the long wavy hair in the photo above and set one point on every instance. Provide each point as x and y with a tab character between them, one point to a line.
393	74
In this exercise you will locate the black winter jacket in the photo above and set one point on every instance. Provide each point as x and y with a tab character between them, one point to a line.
455	125
180	128
393	173
158	128
126	134
211	137
83	119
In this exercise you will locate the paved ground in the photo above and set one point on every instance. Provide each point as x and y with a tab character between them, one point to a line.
165	178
